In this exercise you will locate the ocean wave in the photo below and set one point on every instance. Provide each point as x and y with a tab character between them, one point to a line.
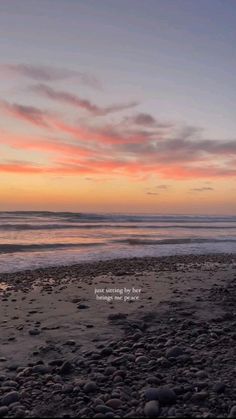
137	241
75	217
27	226
14	248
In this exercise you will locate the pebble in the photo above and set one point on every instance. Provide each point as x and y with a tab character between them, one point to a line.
219	388
199	396
10	398
34	332
114	403
232	413
3	411
174	352
102	408
90	387
66	368
141	359
166	396
152	409
83	306
151	393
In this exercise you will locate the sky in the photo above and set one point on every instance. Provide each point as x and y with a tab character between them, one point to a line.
122	106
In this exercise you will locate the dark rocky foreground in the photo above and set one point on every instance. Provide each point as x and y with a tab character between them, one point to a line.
169	363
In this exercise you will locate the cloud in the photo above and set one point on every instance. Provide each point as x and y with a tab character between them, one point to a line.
163	187
54	146
27	113
144	119
47	73
147	121
203	189
152	193
78	102
106	147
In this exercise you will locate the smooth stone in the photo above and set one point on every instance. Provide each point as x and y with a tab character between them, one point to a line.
66	368
117	316
199	396
10	398
166	396
219	388
34	332
3	411
102	408
106	351
151	393
90	387
174	352
141	359
201	374
232	413
114	403
82	306
10	383
152	409
40	369
70	342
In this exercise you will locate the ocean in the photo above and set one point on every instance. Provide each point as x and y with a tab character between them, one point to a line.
31	240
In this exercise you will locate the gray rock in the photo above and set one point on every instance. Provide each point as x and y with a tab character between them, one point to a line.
40	369
219	388
90	387
174	352
232	413
114	403
152	409
34	332
10	398
70	342
166	396
151	393
102	408
201	374
66	368
141	359
11	383
106	351
3	411
82	306
199	396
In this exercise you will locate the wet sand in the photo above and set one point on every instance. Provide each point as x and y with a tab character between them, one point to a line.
57	339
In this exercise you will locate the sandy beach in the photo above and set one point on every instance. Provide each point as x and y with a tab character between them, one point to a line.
123	338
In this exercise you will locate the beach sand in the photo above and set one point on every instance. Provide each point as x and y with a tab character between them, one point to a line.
164	346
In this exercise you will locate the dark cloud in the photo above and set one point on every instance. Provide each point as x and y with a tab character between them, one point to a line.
75	100
27	113
202	189
47	73
144	119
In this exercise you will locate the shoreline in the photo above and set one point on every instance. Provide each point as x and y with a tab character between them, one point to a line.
168	350
93	264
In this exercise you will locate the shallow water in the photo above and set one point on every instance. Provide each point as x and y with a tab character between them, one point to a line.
39	239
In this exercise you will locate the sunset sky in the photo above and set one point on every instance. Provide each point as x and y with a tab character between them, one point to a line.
123	106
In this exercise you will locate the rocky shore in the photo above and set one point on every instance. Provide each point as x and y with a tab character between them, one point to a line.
169	353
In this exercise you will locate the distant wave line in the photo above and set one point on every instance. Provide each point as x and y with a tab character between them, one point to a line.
14	248
137	241
132	218
22	227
